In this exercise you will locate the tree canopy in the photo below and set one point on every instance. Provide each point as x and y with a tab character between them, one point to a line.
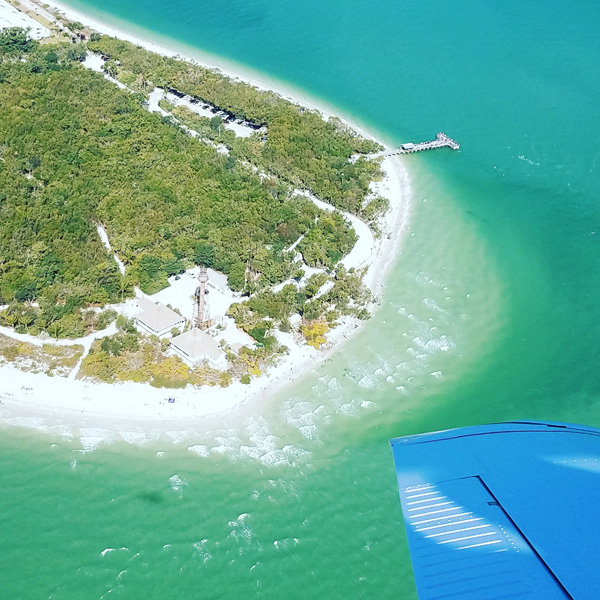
300	147
76	153
15	42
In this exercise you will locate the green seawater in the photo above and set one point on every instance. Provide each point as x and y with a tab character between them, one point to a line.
490	312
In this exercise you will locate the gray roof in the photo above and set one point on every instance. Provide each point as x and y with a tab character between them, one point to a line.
159	318
196	344
145	303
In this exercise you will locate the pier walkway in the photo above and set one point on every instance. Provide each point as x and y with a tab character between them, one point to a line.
441	141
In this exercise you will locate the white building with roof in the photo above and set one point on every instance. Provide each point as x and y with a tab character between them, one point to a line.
195	346
158	319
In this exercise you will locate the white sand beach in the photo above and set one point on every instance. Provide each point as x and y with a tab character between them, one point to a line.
28	399
11	17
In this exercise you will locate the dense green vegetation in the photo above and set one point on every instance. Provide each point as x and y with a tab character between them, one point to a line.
321	299
61	320
300	146
14	42
76	153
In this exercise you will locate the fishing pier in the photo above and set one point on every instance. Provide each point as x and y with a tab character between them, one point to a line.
441	141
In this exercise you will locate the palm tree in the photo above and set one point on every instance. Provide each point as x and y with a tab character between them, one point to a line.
26	319
11	320
56	327
4	316
41	324
75	26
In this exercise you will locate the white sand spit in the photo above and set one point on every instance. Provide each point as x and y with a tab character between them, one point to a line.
11	17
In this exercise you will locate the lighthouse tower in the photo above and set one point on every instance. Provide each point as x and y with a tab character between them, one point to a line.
201	317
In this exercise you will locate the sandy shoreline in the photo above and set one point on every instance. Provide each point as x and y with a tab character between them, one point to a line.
237	72
35	400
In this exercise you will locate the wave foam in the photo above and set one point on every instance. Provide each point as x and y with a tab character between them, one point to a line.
178	484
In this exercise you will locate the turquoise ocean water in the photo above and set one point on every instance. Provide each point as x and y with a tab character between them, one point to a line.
489	313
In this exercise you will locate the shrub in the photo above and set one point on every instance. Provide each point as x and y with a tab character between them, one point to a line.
225	379
15	41
314	333
105	318
125	324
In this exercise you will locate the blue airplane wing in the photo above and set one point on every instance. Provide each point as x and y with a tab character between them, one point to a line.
502	511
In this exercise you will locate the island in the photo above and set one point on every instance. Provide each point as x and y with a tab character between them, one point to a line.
174	240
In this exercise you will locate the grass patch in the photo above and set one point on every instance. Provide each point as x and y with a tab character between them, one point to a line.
148	363
50	359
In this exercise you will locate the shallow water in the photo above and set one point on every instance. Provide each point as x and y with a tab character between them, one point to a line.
489	313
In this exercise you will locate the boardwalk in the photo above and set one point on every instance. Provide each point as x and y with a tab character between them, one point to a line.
440	141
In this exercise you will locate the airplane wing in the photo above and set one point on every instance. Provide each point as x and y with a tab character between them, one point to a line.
502	511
